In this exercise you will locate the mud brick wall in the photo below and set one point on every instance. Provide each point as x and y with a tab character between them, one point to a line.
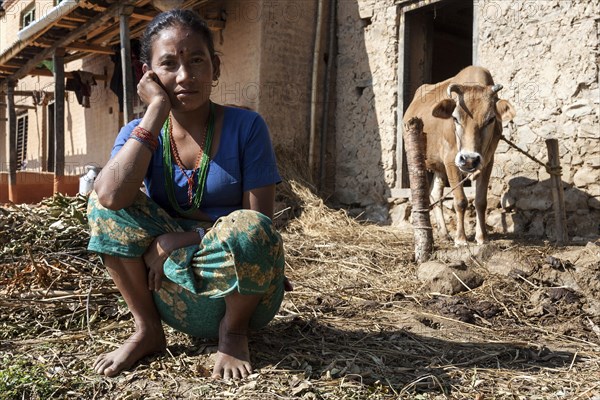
266	53
287	38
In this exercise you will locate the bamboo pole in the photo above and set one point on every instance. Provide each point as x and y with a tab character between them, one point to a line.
417	174
558	200
124	15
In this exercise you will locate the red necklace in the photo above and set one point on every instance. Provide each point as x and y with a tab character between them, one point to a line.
190	178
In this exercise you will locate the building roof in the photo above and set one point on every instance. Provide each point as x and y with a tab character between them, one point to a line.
81	27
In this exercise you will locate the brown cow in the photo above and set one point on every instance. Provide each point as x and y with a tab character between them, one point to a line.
462	134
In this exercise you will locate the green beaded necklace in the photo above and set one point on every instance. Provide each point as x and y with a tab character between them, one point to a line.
166	134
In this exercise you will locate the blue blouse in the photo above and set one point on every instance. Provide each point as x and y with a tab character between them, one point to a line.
244	161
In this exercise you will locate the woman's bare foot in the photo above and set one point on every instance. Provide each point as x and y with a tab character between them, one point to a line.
233	356
140	344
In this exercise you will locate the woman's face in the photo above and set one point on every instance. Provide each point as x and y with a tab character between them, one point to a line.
182	62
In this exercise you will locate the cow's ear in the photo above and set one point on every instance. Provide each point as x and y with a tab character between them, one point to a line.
444	109
505	110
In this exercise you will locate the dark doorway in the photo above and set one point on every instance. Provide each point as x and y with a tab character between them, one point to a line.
438	43
452	39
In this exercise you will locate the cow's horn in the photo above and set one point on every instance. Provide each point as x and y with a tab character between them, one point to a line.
496	88
453	87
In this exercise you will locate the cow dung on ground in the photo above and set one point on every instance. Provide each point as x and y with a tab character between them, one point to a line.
359	324
448	278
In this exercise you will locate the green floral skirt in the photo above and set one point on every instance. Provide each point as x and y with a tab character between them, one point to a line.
240	252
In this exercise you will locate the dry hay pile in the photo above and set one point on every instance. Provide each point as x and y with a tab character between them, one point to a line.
357	326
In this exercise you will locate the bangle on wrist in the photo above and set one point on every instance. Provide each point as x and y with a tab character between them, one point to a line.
145	137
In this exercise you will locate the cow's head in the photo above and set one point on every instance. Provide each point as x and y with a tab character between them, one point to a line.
478	114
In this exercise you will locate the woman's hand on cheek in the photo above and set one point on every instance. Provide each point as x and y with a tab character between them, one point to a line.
151	90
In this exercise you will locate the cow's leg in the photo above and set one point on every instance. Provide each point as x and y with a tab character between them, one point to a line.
460	203
437	192
481	188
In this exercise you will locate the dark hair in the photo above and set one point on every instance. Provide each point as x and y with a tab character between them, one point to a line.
168	19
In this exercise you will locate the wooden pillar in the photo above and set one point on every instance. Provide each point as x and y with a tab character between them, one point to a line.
328	87
315	91
59	119
558	200
12	141
124	15
417	173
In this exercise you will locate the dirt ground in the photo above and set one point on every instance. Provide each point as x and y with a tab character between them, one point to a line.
359	324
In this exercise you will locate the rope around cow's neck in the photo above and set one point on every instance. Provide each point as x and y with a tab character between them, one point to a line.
473	176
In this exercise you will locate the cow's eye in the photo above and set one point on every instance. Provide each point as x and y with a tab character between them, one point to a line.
489	121
455	120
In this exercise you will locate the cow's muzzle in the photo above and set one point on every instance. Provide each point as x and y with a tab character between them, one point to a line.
467	161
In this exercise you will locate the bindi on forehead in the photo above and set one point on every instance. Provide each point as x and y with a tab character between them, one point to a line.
177	41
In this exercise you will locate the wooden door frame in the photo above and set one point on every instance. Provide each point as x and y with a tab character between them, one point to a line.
399	190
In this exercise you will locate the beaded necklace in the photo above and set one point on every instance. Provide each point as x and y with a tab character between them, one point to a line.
201	167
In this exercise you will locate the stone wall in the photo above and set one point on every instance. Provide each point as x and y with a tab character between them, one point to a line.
545	53
365	111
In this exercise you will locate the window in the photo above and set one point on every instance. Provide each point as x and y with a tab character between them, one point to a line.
28	16
22	128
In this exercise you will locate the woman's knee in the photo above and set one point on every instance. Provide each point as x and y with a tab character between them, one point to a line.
255	226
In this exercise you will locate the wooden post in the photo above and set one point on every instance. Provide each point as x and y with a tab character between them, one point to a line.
59	119
12	141
124	14
558	201
417	174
